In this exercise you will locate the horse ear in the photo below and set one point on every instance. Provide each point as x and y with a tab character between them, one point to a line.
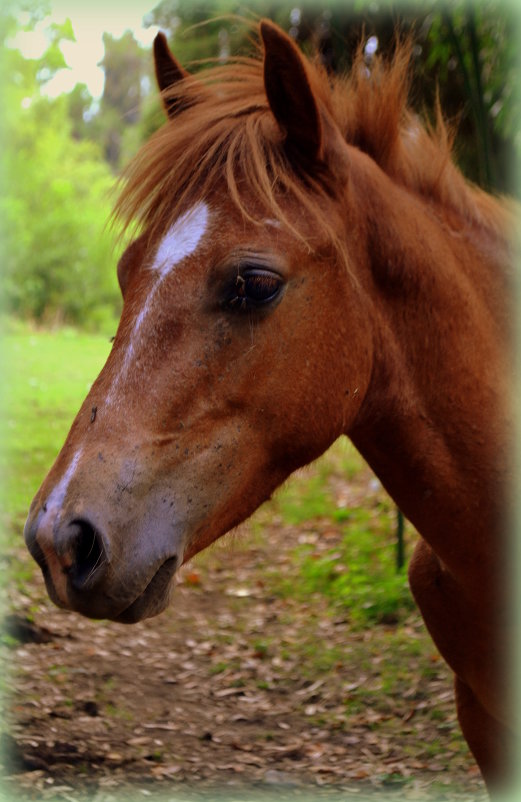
168	73
289	93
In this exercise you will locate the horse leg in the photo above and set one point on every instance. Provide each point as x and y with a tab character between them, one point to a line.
489	741
466	636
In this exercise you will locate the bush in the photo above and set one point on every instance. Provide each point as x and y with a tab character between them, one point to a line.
59	263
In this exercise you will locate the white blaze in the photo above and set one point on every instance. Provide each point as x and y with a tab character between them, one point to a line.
57	496
181	240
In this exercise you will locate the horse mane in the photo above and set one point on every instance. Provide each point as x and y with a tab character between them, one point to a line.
226	138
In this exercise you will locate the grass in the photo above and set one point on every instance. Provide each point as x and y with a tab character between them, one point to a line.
357	572
49	374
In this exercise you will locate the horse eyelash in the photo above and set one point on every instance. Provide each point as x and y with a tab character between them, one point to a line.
238	299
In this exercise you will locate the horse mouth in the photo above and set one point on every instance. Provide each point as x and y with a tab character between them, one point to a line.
154	598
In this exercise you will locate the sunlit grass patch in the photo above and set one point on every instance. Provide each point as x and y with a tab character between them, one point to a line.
47	375
357	570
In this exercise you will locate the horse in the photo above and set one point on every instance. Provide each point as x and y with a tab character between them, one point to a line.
306	261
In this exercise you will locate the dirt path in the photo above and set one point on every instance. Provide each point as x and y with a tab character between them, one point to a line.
234	691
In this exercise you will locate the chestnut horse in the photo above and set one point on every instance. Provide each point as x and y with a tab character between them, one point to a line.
307	263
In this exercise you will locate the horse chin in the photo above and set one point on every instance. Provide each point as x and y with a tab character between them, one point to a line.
154	599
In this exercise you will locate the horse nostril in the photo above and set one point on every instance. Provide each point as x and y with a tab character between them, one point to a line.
90	558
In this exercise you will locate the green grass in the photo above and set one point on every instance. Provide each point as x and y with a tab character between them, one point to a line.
49	375
360	572
307	495
357	572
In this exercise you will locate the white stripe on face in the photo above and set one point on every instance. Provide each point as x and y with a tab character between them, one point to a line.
180	241
56	497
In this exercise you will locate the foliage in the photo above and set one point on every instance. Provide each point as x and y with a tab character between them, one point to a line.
124	65
473	50
58	262
201	29
357	572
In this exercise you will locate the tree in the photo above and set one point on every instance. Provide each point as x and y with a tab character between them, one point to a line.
58	259
474	50
124	66
79	104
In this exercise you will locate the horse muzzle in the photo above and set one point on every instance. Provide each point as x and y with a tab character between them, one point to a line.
84	573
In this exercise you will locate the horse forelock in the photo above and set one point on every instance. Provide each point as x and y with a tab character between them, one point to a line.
226	140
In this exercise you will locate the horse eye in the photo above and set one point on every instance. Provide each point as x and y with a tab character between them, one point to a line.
255	287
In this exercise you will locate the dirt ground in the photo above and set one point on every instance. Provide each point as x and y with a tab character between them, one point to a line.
234	693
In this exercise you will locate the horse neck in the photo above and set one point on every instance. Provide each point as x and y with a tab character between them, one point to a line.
432	423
